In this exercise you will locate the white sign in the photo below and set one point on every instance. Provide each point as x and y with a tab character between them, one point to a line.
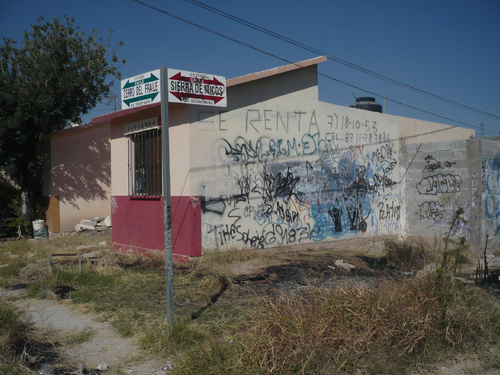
196	88
141	90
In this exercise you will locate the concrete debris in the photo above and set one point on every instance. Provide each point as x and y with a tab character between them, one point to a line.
107	220
342	263
97	223
102	367
163	370
92	255
84	247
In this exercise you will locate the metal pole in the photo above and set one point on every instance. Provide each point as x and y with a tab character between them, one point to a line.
167	208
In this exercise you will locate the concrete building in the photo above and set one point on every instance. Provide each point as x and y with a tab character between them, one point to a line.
276	167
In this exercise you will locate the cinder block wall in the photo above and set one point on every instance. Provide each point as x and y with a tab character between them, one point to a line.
436	185
440	177
489	191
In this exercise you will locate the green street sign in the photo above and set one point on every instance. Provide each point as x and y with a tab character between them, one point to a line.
140	90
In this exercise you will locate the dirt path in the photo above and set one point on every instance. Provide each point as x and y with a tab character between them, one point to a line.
104	350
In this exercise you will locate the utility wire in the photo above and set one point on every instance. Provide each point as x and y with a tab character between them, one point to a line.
293	63
337	59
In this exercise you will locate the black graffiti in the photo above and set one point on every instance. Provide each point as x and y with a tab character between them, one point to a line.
387	211
335	213
440	184
244	151
433	164
276	235
391	166
381	183
218	205
354	198
383	153
281	210
280	185
432	210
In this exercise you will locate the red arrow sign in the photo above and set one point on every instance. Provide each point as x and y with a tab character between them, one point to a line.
180	77
196	88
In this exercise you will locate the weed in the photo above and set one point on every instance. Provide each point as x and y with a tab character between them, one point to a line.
332	329
76	337
17	341
408	255
453	259
166	340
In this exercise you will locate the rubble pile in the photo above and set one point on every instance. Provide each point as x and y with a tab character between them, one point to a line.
98	224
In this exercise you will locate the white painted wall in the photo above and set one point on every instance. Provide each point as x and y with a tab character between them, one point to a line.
282	168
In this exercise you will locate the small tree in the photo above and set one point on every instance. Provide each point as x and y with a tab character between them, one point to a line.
57	76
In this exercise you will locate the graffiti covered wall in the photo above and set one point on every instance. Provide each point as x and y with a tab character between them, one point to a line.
288	171
436	185
441	177
490	167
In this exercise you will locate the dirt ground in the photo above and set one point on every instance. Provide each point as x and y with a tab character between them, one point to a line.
105	350
285	269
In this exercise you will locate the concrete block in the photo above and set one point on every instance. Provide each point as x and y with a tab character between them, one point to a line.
426	147
461	163
495	147
441	146
411	148
444	156
87	225
418	165
460	144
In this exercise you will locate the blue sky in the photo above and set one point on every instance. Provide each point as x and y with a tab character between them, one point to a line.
447	48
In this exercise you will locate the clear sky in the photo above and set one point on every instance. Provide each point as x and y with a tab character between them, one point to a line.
447	48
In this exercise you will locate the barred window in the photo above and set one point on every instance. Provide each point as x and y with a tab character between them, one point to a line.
145	172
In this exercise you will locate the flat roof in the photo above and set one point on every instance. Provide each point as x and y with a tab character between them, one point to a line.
230	82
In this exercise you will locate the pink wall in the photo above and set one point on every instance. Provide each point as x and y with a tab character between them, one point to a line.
80	173
138	225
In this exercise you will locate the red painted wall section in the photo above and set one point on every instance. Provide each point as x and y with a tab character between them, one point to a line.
138	225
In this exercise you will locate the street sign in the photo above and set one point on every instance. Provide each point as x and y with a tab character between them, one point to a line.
141	90
196	88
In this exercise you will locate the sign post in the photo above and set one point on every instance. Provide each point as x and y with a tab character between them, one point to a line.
167	207
178	86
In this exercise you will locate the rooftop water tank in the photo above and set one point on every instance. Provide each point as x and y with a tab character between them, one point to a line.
368	104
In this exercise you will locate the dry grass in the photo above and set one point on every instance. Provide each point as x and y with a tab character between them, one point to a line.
334	325
382	328
411	254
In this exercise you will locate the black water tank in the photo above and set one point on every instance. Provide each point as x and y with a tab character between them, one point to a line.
368	104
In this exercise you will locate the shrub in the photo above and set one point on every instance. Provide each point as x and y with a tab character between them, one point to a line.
411	254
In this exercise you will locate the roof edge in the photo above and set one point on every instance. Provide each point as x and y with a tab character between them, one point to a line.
275	71
230	82
122	112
